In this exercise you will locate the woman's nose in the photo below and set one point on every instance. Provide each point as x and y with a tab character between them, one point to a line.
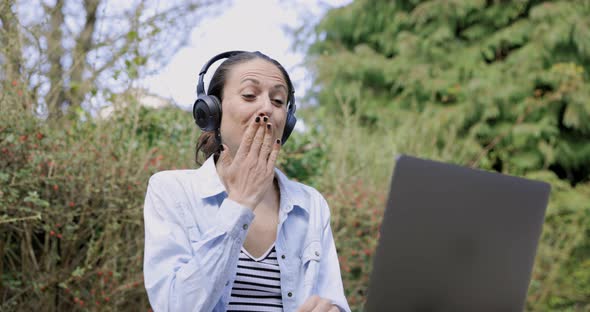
266	106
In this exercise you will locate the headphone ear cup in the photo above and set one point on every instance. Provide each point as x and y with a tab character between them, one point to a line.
207	112
216	103
289	126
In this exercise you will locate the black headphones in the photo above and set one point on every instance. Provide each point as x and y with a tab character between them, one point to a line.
207	108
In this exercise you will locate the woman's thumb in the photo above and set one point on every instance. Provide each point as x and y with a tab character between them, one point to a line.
225	156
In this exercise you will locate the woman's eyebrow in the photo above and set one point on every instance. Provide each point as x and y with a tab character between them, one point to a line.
250	79
281	86
257	82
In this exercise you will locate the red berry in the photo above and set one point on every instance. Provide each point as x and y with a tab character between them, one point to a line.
52	233
55	187
71	204
59	236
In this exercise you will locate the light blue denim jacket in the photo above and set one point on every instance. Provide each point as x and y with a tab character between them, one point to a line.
193	236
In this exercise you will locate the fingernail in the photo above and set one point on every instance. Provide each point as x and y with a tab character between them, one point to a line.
278	141
265	119
222	148
257	119
268	126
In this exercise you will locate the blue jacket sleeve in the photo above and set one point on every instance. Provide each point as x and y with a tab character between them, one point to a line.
329	279
182	273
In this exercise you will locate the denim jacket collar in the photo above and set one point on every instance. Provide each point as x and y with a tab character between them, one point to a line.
209	184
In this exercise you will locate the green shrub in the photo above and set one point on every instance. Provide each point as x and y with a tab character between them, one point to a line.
72	195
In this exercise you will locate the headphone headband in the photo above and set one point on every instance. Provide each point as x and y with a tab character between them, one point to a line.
201	83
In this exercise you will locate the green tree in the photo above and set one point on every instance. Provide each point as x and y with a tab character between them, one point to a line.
513	73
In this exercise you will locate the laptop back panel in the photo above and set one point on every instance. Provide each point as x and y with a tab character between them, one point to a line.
456	239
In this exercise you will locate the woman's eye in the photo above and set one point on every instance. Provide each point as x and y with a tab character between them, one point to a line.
278	101
248	96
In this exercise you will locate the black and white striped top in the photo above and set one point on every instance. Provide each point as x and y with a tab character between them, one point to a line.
258	283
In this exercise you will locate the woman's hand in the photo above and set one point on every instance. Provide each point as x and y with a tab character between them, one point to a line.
317	304
250	173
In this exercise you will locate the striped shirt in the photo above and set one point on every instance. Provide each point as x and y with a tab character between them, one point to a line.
257	286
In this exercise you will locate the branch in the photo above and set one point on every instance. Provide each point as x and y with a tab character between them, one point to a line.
134	18
83	46
55	97
10	39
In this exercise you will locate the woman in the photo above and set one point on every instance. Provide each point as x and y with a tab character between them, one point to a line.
237	234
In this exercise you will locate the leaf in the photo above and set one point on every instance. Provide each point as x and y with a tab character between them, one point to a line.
132	35
78	272
4	177
140	60
33	197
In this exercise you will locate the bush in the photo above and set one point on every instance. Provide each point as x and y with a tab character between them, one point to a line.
72	199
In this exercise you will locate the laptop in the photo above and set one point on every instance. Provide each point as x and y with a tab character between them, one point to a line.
456	239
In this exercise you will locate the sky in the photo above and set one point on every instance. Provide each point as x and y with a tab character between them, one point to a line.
245	25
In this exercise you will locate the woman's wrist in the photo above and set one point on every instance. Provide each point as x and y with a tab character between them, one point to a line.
242	201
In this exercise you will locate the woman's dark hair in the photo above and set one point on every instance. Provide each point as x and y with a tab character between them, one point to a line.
209	142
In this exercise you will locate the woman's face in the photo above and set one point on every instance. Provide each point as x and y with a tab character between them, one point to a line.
252	88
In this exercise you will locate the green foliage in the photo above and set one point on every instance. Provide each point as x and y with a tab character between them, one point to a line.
71	201
303	156
515	73
499	85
